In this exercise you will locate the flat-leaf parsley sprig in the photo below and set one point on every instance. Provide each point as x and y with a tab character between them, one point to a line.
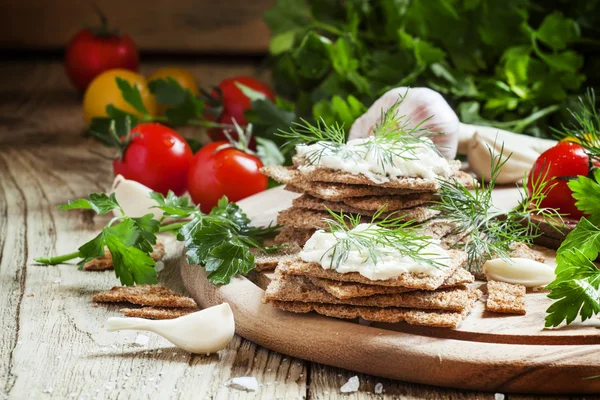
490	231
576	289
394	136
379	238
220	240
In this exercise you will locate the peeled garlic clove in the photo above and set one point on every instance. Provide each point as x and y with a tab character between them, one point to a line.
418	104
522	271
134	198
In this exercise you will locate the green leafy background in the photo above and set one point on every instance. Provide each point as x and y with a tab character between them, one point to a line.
514	64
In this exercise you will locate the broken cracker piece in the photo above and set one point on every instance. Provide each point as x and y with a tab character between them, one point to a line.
105	262
157	312
268	261
506	298
145	295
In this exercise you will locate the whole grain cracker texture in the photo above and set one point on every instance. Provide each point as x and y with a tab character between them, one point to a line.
299	288
157	312
506	298
145	295
268	261
408	280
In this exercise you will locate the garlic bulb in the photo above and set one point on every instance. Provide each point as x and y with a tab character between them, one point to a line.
418	104
134	198
522	271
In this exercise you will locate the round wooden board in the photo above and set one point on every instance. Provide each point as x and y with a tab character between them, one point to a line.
488	352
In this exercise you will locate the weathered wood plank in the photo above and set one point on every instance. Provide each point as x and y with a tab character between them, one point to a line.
160	25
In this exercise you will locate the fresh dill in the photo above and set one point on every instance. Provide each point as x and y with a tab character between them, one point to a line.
380	238
394	137
585	128
489	231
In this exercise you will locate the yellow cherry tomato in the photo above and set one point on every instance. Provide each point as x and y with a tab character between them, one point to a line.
588	137
184	77
104	91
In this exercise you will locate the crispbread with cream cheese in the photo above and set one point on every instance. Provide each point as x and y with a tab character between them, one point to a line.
268	261
442	319
106	262
157	312
348	290
506	298
300	288
307	219
409	280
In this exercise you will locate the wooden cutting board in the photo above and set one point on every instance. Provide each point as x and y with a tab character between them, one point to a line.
488	352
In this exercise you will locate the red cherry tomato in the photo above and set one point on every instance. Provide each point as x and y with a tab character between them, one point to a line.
218	134
566	160
88	55
157	157
235	101
227	172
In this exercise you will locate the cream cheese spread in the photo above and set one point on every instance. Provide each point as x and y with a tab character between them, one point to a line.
391	264
357	157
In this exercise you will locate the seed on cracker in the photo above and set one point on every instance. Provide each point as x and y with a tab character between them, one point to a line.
506	298
105	262
145	295
157	312
268	261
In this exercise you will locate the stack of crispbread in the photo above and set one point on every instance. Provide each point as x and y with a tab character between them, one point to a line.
322	189
442	300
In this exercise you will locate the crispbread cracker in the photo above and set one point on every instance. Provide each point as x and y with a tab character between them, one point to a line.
442	319
268	261
312	203
145	295
157	312
506	298
391	203
348	290
299	288
289	234
521	250
105	262
413	281
307	219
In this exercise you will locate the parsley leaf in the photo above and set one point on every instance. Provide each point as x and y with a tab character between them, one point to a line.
131	94
585	237
173	205
575	289
587	193
100	203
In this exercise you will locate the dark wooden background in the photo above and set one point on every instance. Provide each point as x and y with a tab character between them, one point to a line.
157	26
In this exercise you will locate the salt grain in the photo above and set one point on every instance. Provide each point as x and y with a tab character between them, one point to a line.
378	388
141	340
351	386
246	383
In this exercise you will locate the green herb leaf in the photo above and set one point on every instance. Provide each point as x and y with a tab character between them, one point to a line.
131	94
587	192
557	31
173	205
585	237
227	260
269	152
168	91
100	203
575	289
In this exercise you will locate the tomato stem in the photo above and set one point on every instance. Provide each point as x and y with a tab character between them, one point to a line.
57	259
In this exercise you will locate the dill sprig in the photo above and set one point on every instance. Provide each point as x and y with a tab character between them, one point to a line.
490	231
585	128
393	137
391	234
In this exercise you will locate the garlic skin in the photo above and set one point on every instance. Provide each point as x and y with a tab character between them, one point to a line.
418	104
524	271
202	332
134	198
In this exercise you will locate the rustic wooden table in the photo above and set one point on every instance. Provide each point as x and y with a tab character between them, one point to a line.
52	341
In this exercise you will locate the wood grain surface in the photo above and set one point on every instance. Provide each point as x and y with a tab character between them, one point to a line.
52	343
167	26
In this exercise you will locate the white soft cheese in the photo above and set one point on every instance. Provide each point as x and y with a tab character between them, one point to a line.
356	157
319	249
